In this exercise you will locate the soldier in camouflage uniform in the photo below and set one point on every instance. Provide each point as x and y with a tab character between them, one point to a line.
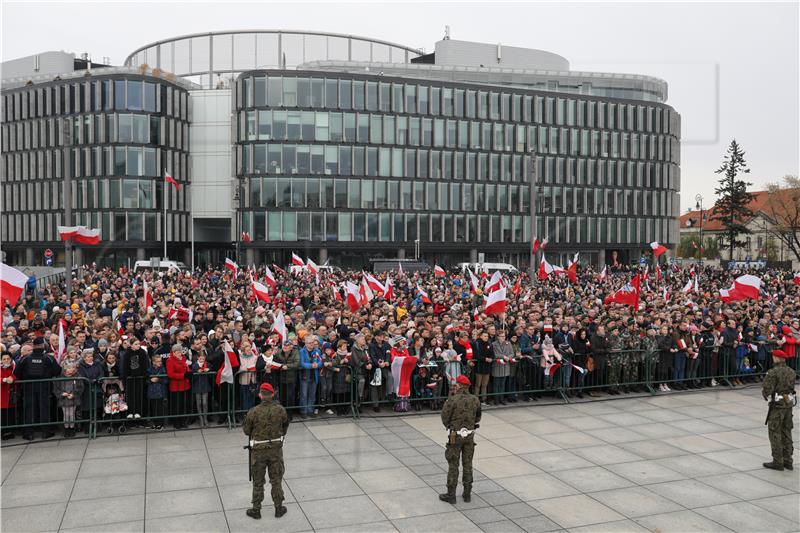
266	425
460	415
632	344
778	390
614	358
650	354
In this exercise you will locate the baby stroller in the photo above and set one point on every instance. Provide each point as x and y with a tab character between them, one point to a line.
114	407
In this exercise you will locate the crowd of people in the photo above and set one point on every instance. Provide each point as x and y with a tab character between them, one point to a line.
154	347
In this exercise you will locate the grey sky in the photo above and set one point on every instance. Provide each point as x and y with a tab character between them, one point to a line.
754	45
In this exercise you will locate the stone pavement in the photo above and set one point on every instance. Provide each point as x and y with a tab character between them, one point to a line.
678	462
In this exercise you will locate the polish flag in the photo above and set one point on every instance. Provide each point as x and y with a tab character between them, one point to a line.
495	282
169	179
278	269
269	277
260	291
604	274
517	288
388	293
545	269
229	362
474	281
297	261
61	351
312	267
402	368
67	232
658	249
527	297
627	295
337	296
730	295
438	271
748	286
536	245
365	293
665	295
231	265
658	273
279	326
688	287
352	295
148	296
12	283
246	237
80	234
496	302
797	278
375	285
572	272
423	295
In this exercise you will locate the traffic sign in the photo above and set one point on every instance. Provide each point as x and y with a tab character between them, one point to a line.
48	253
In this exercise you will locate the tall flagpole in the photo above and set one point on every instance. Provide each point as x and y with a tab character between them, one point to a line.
165	215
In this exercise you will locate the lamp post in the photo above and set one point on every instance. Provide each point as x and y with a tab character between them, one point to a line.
67	131
699	206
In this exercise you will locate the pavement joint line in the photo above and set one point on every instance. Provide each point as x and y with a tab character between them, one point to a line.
144	502
213	476
71	490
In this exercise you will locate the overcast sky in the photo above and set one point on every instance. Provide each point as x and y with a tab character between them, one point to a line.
753	46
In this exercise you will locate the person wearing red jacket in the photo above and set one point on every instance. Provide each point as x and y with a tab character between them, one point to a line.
8	405
789	342
178	371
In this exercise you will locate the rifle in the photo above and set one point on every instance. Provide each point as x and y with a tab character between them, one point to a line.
249	461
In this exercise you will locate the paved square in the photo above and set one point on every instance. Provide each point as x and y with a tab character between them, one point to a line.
683	462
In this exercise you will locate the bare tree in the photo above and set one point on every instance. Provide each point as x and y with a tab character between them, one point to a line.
782	207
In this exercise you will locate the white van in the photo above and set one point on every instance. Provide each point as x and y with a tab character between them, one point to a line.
488	268
158	265
297	269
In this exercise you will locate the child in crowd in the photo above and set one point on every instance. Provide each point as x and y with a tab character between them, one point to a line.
201	387
156	391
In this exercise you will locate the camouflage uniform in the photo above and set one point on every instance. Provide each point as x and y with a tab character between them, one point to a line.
630	362
649	347
461	410
267	421
780	380
614	360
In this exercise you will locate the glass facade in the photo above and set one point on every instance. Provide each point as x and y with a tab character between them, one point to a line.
115	135
341	158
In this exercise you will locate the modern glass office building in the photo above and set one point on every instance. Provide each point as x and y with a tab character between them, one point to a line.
346	148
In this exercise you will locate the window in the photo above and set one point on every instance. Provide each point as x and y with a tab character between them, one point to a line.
135	95
119	95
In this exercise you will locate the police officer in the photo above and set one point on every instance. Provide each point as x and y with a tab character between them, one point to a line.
266	425
460	415
36	396
778	390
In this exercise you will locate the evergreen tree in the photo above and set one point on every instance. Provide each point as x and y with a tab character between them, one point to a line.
732	208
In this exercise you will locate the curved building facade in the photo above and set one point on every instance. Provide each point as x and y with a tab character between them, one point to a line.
339	147
116	133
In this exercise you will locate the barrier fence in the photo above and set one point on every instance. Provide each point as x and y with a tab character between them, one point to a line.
112	405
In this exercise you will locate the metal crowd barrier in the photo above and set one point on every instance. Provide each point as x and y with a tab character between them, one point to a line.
114	405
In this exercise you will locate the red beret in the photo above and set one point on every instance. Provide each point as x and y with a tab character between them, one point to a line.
267	387
463	380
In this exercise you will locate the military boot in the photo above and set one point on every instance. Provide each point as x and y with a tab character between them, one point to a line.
788	466
280	510
772	465
254	513
467	495
449	497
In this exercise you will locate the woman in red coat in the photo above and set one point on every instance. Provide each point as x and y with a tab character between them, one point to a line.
8	406
179	369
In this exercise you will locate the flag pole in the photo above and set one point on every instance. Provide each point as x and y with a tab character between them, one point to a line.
163	177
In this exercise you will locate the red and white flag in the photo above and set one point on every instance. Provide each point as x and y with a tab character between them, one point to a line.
665	295
231	265
297	261
495	282
572	272
172	181
423	295
730	295
260	291
278	269
689	287
474	282
748	286
517	288
496	302
527	297
536	245
269	277
658	273
353	296
61	351
604	273
365	294
627	295
438	271
12	283
246	237
797	278
312	267
545	269
374	285
337	295
658	249
402	368
148	296
279	326
388	293
229	362
79	234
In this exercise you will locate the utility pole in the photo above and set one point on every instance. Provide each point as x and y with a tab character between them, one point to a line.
67	166
534	228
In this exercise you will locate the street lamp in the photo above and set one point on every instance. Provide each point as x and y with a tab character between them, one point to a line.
699	206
